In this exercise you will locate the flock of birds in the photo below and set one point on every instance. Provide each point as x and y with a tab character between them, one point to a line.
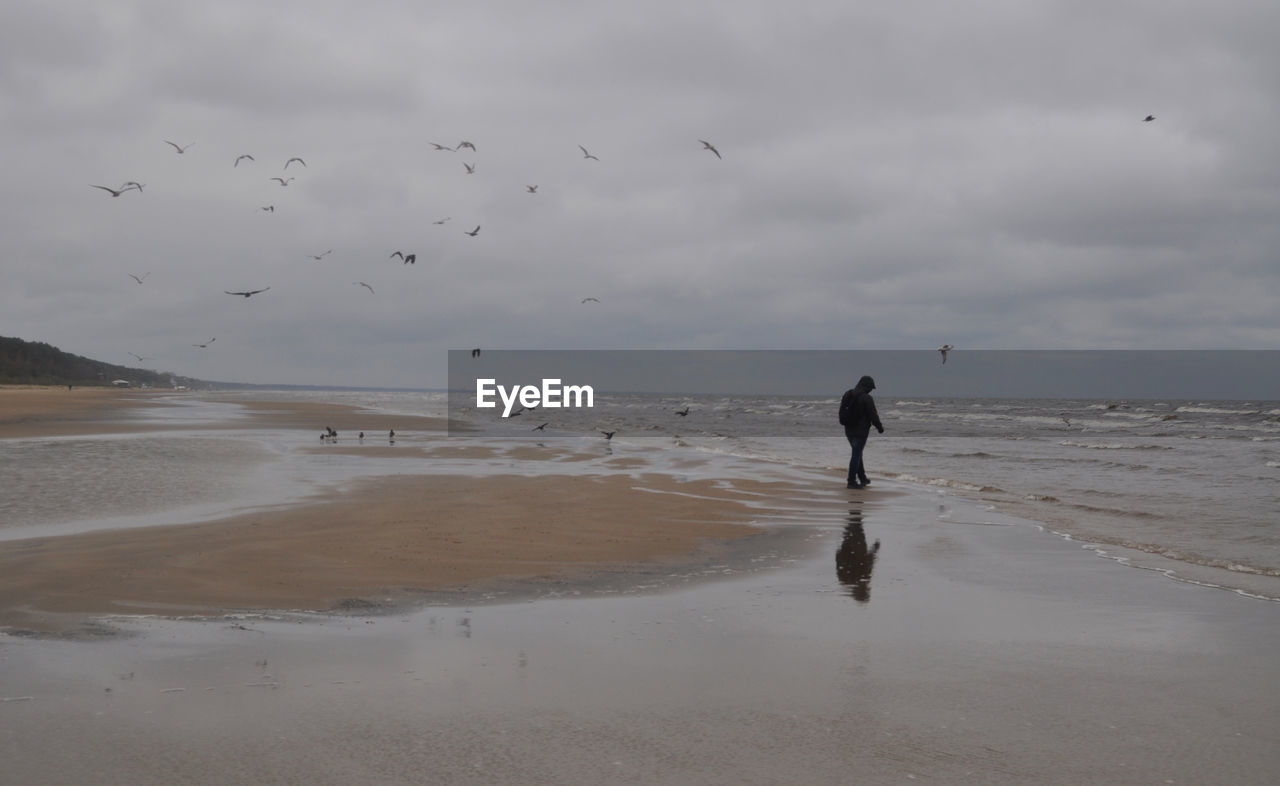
407	258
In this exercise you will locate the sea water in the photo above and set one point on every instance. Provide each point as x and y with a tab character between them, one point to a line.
1193	483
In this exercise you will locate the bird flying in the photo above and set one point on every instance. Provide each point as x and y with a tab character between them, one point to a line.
609	434
180	150
471	168
591	300
473	232
268	208
708	146
441	221
585	154
241	157
366	286
247	294
438	146
944	349
1148	118
115	192
540	428
206	344
466	144
531	189
290	161
282	181
683	412
139	358
475	353
139	280
321	256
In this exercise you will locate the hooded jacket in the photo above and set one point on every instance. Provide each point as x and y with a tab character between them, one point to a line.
858	410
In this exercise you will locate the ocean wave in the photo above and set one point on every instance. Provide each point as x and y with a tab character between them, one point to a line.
1218	411
1068	443
945	482
913	403
1273	463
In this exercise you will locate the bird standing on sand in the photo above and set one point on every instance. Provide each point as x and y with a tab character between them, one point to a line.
249	293
943	350
708	146
585	154
180	150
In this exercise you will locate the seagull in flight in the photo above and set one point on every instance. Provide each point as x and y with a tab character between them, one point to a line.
465	144
708	146
206	344
531	189
439	146
441	221
586	154
268	208
115	192
540	428
282	181
318	257
471	168
408	259
295	158
608	435
944	349
1148	118
475	353
473	232
140	358
180	150
139	280
591	300
247	294
683	412
366	286
241	157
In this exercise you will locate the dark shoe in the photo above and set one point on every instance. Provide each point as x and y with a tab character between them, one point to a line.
853	485
866	482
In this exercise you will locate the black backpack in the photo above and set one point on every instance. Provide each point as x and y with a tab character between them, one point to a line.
846	407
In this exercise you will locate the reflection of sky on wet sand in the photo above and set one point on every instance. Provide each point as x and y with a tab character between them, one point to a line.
981	639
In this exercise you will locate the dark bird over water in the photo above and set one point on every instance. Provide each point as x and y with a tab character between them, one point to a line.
708	146
683	412
585	154
247	294
608	435
206	344
180	150
475	353
540	428
290	161
241	157
944	349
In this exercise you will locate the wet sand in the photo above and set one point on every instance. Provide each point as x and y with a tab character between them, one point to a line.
964	648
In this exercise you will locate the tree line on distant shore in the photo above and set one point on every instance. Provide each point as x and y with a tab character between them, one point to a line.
37	363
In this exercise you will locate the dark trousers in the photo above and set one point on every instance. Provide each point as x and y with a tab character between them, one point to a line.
857	472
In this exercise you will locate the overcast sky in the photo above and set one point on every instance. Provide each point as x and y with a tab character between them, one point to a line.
894	176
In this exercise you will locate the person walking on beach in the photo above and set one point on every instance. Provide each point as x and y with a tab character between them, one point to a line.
858	415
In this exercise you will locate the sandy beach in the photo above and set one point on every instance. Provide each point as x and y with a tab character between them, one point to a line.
594	622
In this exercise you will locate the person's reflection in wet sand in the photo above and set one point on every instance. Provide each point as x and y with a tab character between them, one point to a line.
854	560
